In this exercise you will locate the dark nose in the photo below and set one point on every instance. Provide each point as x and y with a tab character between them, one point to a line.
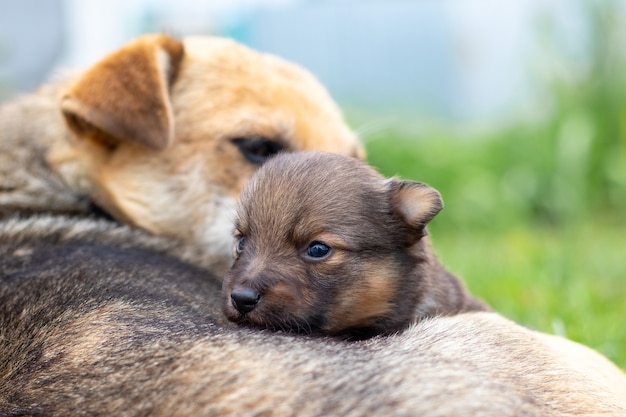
244	299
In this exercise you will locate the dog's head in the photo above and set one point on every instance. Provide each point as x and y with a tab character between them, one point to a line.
166	133
325	244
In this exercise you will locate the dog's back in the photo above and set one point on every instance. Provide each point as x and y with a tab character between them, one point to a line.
110	326
95	312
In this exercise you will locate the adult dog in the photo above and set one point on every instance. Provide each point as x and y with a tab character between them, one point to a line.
162	135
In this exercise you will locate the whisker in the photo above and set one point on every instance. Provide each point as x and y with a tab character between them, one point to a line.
308	325
300	328
372	128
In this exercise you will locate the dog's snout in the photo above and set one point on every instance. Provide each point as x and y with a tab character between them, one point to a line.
244	299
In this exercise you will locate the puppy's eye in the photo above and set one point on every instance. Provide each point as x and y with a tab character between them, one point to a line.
257	149
318	250
239	245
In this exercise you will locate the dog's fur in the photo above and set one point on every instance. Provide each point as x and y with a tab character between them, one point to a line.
377	273
162	135
101	323
97	319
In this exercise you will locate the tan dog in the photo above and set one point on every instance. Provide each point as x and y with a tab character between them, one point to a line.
162	136
326	244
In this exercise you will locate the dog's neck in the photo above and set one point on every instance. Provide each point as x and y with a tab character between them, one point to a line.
433	290
29	127
441	292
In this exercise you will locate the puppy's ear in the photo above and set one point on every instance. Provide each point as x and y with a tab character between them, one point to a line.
125	97
416	203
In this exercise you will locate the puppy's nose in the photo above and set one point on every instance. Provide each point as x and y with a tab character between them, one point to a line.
244	299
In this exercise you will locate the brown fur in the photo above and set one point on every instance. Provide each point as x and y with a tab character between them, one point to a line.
118	328
97	320
380	274
162	135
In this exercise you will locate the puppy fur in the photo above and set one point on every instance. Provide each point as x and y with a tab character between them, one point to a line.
379	274
162	135
80	338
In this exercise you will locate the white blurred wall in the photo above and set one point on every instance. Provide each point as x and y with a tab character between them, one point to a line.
449	59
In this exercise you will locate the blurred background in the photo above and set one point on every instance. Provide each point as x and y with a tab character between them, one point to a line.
515	111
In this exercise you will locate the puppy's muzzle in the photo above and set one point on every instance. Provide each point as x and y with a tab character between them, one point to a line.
244	299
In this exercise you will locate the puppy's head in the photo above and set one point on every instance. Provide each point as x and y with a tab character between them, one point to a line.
324	244
165	133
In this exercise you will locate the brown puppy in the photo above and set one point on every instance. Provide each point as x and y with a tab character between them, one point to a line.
161	135
326	244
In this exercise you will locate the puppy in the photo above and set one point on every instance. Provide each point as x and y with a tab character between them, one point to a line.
161	135
326	244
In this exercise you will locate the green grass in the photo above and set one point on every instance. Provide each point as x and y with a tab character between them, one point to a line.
568	283
535	213
524	228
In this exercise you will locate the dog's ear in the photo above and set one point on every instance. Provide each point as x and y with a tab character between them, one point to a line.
416	203
125	97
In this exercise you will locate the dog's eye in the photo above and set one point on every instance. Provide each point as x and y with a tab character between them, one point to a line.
257	149
239	246
318	250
